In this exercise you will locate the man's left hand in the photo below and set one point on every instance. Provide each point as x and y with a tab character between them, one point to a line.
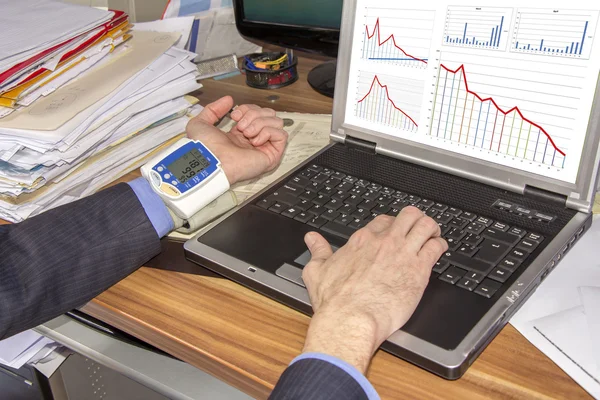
252	147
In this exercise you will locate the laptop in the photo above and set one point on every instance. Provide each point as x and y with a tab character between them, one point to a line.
491	132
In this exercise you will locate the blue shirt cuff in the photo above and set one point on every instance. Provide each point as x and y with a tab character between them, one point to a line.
155	208
349	369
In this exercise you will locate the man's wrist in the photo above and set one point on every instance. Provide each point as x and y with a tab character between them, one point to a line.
351	337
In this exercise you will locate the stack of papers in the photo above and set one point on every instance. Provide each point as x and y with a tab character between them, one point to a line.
19	349
99	119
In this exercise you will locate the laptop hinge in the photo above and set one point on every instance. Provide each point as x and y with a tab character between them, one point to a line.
360	144
545	195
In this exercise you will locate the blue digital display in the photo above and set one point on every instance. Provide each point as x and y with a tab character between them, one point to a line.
187	167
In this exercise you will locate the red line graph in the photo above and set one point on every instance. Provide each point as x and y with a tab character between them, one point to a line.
377	29
462	67
387	94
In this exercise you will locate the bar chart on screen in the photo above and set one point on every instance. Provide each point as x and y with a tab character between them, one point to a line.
477	27
518	110
389	100
397	36
566	33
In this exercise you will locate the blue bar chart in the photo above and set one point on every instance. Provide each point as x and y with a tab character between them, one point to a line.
396	36
389	100
566	33
477	27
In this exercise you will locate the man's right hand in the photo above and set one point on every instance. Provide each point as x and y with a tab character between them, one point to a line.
371	286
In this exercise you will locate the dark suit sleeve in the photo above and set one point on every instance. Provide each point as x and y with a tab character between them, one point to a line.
317	380
61	259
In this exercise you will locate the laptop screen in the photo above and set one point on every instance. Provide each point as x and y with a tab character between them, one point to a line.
511	83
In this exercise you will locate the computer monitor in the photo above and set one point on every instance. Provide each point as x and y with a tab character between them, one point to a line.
309	25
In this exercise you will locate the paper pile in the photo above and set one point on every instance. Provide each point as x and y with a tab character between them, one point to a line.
19	349
96	124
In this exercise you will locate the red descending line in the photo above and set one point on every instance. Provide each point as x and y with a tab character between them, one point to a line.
462	67
376	79
380	43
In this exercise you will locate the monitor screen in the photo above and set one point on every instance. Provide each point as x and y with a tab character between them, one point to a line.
310	13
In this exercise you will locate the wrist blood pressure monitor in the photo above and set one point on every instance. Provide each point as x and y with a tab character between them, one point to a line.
187	176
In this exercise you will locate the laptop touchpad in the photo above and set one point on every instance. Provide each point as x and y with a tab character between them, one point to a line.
294	274
304	258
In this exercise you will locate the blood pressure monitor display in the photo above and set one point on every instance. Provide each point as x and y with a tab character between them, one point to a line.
188	165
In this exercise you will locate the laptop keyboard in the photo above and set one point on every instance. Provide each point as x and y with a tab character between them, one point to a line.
482	253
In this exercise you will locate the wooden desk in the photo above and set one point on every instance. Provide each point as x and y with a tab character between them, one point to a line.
248	340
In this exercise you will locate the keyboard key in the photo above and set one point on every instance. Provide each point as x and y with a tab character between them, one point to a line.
370	195
357	223
459	222
291	212
350	178
472	239
374	187
467	250
431	212
467	284
500	226
400	195
354	200
421	207
284	198
535	236
500	274
277	208
265	203
334	204
387	190
317	209
517	231
308	195
330	215
393	212
362	182
327	171
316	186
345	186
347	209
491	251
440	266
317	222
328	191
321	200
381	209
439	207
304	205
484	221
444	218
315	167
320	178
510	264
487	288
358	191
304	217
385	199
427	203
455	233
454	211
468	216
528	245
452	275
332	182
368	204
340	195
344	219
338	175
475	227
300	181
453	244
412	199
307	173
517	254
338	230
500	236
468	263
475	276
